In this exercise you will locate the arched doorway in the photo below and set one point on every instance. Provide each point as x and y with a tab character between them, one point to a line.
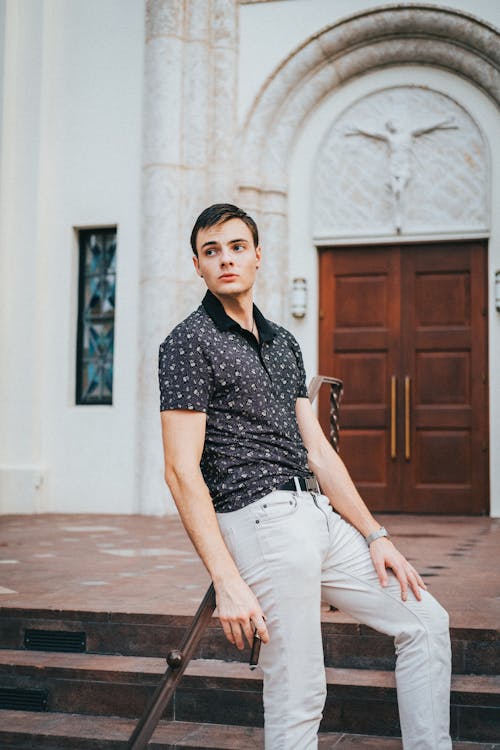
404	323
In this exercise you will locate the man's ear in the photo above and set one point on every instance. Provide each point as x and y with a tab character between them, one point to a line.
258	255
196	264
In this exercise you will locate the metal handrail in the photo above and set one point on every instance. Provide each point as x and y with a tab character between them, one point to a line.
336	392
178	659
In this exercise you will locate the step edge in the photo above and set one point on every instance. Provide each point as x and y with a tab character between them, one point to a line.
156	619
214	669
188	727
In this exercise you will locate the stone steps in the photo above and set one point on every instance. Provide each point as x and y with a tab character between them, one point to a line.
19	730
346	644
216	691
112	680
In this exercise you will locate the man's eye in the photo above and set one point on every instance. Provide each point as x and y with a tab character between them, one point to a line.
238	248
209	252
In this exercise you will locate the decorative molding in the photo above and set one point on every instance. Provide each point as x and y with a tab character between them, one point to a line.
402	160
392	35
384	239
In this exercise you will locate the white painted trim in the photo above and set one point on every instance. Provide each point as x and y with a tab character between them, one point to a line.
24	489
385	239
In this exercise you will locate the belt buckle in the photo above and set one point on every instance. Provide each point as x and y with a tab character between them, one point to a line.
311	484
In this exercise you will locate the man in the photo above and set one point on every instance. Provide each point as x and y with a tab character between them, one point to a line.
244	455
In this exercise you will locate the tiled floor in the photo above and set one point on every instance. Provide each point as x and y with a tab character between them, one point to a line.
146	564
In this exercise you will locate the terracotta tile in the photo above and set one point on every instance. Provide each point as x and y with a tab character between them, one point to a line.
466	585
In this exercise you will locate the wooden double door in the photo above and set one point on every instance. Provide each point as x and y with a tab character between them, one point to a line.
405	328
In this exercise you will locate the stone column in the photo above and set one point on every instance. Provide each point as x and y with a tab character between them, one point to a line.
269	208
161	202
189	116
222	186
273	283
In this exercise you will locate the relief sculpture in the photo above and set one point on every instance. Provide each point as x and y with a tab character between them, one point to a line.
405	160
401	155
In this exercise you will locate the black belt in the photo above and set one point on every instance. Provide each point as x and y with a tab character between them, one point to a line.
308	484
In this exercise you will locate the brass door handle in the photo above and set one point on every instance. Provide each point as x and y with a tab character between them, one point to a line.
393	416
407	418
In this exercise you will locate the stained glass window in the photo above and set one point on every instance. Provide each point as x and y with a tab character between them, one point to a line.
96	316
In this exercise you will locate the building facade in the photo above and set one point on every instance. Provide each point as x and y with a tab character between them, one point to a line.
360	135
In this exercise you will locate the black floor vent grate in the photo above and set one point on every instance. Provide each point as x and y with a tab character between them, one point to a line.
18	699
54	640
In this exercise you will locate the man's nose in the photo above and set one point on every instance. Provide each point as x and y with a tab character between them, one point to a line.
225	257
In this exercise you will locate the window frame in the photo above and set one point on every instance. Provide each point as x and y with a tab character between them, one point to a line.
84	235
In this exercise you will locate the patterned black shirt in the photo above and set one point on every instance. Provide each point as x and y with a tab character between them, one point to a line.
248	390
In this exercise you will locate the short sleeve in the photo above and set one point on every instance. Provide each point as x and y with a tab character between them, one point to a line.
302	388
185	376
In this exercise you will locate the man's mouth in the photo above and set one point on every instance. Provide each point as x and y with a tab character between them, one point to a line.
228	276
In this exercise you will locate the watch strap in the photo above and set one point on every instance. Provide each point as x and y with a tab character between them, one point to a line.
376	535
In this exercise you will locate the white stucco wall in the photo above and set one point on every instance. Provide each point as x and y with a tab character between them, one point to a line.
72	151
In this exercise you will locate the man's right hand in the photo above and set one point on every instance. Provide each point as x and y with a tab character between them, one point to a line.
239	612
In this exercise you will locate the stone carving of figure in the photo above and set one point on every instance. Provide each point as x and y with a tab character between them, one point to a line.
400	142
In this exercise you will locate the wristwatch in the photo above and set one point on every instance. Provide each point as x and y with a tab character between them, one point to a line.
376	535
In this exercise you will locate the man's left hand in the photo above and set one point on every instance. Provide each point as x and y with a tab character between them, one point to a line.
385	555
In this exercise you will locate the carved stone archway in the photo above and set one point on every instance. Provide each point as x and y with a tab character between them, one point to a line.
382	37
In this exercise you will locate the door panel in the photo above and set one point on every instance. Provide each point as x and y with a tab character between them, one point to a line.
360	327
416	315
442	320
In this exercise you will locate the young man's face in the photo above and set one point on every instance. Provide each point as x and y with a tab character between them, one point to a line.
227	258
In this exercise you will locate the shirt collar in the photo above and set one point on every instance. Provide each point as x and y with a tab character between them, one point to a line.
224	322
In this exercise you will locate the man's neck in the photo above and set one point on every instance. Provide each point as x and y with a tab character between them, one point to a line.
239	308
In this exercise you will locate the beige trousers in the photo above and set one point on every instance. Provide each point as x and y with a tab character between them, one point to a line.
294	551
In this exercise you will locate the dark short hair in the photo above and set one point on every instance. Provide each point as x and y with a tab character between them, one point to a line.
219	213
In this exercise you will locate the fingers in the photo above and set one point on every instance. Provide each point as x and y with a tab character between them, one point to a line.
259	623
403	581
237	629
381	572
239	612
421	583
248	630
406	574
234	632
409	579
228	632
255	622
416	583
237	635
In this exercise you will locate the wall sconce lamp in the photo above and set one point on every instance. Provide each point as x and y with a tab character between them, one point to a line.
299	298
497	290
